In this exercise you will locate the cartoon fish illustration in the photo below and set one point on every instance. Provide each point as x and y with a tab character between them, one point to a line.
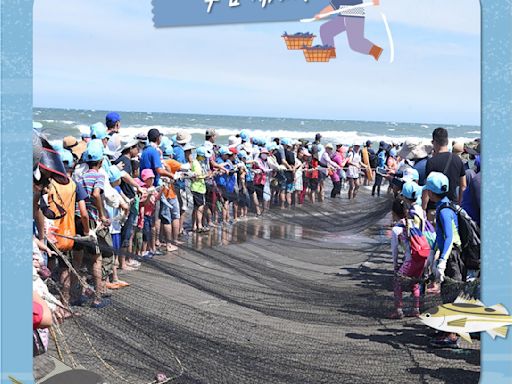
465	316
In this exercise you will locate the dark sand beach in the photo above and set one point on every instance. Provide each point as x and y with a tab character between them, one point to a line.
298	296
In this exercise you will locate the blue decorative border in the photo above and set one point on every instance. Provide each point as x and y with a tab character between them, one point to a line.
16	187
16	198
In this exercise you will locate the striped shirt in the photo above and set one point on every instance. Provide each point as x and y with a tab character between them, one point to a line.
91	180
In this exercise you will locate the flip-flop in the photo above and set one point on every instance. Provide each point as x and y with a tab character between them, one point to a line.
102	304
112	285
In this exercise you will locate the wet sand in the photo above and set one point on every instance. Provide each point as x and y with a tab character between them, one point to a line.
298	296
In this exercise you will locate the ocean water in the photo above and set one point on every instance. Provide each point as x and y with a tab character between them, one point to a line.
58	123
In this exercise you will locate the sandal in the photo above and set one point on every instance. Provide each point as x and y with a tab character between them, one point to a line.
121	283
114	285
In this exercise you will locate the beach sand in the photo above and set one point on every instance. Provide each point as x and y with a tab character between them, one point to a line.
298	296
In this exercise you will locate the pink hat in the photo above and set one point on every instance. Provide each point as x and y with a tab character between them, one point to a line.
146	174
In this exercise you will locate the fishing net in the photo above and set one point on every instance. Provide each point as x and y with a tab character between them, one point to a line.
298	296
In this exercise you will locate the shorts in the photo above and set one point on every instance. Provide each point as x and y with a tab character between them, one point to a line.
182	199
232	196
127	230
169	211
243	200
149	222
199	199
321	177
290	187
79	229
116	241
211	196
259	191
313	184
281	181
250	187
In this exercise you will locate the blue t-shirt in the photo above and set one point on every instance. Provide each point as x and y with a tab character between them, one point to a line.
150	159
447	233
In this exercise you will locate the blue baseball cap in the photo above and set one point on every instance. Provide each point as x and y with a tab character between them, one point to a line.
286	141
94	151
66	157
98	131
411	174
272	146
411	190
165	143
204	152
224	151
242	154
244	135
112	118
114	174
437	183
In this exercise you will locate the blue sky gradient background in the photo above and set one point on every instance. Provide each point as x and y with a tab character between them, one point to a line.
93	54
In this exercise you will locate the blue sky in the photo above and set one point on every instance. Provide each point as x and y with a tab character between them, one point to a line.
94	54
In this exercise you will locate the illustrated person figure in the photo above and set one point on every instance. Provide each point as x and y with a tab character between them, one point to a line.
351	21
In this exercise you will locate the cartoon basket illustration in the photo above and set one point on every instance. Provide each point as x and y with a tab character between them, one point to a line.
298	40
319	54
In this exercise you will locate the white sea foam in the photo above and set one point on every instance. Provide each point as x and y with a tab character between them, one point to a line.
346	137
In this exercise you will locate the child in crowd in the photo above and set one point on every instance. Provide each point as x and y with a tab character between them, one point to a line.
411	269
449	264
148	207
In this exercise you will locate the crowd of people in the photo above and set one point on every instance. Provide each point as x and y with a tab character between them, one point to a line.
105	202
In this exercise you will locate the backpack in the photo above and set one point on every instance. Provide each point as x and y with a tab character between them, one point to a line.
373	159
469	234
428	230
420	248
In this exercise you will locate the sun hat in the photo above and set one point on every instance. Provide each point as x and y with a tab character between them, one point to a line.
421	151
233	140
146	174
410	174
127	144
458	148
112	118
95	151
264	151
318	136
141	136
44	157
85	135
329	146
411	190
437	183
204	152
99	131
210	132
392	152
407	148
114	174
76	147
188	147
183	137
244	135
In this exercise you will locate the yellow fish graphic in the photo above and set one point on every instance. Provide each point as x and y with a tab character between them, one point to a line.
465	316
